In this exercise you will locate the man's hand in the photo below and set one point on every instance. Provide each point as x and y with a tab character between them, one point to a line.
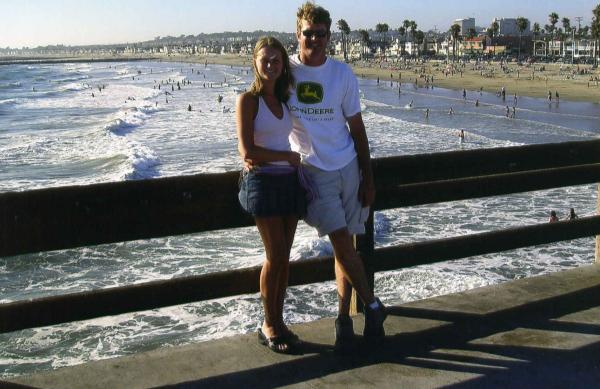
366	192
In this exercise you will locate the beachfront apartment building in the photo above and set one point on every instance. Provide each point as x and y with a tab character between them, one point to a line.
508	27
465	25
475	45
579	48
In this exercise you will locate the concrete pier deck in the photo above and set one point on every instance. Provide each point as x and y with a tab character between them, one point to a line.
537	332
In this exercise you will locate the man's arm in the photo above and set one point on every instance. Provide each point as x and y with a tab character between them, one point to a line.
366	191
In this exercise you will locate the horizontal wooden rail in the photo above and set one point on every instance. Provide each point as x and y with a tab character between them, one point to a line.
395	196
68	217
447	165
112	301
76	216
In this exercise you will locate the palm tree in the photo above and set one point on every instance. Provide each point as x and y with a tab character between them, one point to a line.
493	32
420	38
522	24
455	32
536	32
364	38
566	22
382	28
342	25
402	32
553	19
406	24
596	30
413	29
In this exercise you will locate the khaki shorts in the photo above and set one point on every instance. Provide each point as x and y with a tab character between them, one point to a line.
337	205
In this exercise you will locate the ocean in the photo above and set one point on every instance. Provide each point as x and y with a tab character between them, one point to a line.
84	123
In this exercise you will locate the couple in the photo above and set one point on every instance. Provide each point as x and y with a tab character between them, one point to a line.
312	102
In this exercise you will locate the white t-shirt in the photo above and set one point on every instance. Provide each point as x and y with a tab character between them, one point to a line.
323	97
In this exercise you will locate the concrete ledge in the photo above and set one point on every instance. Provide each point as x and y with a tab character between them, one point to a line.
540	331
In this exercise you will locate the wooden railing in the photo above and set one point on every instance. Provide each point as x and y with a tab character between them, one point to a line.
68	217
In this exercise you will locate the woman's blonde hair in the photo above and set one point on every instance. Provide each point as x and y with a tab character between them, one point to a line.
285	80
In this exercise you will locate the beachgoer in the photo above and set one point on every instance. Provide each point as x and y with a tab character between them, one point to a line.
557	96
553	217
572	214
464	94
189	107
270	190
427	112
461	135
451	111
549	96
477	103
335	149
507	111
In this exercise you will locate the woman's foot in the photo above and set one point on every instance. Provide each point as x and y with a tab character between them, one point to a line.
276	343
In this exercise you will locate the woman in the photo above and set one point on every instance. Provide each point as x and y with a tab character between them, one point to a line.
270	190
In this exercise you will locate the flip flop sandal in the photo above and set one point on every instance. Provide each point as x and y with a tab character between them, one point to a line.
278	344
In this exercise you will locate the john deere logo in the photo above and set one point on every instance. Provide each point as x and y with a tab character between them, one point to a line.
309	92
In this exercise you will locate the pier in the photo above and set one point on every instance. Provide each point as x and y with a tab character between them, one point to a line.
538	331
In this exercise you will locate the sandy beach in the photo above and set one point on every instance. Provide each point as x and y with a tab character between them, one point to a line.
525	80
572	82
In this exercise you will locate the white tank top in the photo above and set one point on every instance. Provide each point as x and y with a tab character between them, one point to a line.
271	132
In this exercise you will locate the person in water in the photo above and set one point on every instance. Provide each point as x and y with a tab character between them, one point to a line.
270	189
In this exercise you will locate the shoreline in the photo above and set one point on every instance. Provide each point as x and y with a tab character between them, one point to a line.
578	83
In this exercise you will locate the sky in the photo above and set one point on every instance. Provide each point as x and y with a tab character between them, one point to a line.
31	23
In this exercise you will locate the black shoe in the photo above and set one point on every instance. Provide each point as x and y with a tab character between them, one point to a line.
345	340
374	319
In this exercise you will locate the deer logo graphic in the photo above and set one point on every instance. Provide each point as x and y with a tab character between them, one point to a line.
309	92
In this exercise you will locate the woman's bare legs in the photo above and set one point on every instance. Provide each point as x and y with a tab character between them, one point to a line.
277	234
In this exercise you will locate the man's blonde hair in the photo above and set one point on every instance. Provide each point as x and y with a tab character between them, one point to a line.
314	14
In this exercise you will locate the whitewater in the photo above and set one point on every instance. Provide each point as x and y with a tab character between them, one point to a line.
84	123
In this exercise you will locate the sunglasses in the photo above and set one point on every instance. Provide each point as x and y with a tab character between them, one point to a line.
316	33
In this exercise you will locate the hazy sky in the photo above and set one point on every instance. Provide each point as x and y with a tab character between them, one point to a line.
77	22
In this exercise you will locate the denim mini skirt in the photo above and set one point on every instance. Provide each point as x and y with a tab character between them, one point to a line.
264	195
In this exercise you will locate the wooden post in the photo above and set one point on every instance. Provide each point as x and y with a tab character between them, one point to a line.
598	236
365	245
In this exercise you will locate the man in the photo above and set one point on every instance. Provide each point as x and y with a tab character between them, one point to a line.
330	134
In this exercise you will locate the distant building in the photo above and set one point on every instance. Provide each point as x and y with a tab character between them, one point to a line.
476	45
508	27
465	25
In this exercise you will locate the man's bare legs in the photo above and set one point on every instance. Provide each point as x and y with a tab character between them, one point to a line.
349	271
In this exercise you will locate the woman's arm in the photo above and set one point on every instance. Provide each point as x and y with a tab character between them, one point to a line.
246	109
